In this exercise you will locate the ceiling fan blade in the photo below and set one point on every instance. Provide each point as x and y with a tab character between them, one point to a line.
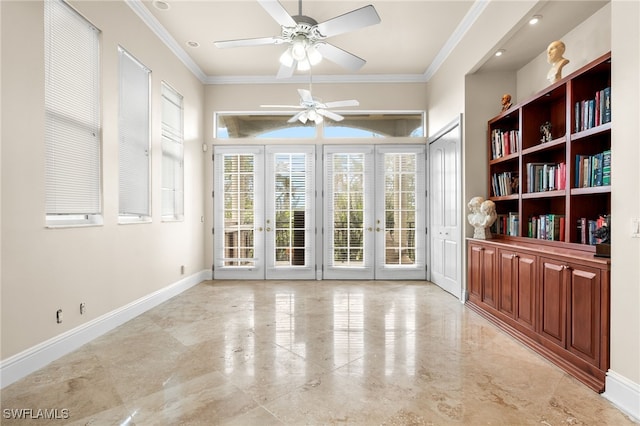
297	117
350	21
285	71
248	42
277	12
338	104
330	114
305	95
282	106
340	57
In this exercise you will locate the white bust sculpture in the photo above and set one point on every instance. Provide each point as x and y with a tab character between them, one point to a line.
483	214
554	57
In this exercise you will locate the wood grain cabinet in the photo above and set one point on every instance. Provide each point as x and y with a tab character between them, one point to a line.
554	300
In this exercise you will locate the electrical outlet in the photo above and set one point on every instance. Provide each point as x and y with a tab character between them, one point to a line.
635	230
59	316
83	308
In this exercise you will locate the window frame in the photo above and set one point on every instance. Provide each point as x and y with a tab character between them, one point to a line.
172	140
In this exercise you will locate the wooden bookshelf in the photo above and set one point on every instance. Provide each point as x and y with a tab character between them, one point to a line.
552	294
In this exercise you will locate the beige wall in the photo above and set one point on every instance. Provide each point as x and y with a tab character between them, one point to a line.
589	40
625	190
108	266
615	28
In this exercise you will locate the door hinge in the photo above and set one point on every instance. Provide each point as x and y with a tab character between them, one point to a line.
213	267
213	194
426	230
213	231
213	157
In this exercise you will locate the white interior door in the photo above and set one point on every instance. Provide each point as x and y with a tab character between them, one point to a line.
445	209
238	196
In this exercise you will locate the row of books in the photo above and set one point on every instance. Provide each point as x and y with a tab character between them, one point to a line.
593	112
504	143
546	176
547	227
506	224
586	228
593	170
505	183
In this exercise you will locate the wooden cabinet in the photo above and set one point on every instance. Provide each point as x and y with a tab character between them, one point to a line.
555	300
482	277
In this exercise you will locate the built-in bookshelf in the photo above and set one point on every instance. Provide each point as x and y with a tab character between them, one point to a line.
550	160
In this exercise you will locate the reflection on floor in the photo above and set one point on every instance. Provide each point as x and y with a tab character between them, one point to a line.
312	352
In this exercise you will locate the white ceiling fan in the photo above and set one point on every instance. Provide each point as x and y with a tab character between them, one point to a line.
306	37
313	109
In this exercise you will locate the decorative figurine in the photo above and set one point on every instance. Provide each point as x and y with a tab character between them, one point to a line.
506	101
554	57
483	214
545	130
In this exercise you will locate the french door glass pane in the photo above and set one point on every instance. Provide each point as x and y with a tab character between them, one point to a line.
239	249
348	209
400	208
290	209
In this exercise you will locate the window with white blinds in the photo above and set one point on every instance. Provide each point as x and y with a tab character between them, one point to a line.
134	140
172	154
72	117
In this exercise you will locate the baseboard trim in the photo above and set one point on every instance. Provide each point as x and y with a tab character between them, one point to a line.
623	393
26	362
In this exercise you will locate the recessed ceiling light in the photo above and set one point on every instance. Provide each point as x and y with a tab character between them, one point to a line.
193	44
161	5
535	19
500	52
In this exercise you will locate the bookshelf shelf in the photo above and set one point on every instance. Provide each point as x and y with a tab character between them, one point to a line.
547	146
544	194
591	190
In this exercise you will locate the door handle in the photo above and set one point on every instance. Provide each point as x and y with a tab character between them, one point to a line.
260	229
370	229
378	229
268	229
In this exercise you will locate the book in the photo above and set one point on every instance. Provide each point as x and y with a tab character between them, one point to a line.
606	167
606	113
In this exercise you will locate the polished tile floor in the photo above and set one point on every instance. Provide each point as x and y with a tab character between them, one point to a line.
308	353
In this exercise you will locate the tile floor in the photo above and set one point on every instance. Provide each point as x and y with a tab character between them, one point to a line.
308	353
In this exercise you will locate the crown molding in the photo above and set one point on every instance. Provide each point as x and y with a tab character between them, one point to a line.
359	78
467	22
139	8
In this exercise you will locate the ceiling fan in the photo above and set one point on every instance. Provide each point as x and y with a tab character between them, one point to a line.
313	109
306	37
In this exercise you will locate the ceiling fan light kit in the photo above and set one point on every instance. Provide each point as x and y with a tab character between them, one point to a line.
306	37
307	47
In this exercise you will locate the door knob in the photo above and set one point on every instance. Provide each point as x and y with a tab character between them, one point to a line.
268	229
370	229
260	229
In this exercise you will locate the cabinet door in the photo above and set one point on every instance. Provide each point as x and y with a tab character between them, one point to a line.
474	276
507	280
584	312
553	301
526	291
489	279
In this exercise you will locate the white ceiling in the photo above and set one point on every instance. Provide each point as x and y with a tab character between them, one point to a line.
412	39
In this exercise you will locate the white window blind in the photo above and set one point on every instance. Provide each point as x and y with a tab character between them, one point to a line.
134	139
72	116
172	154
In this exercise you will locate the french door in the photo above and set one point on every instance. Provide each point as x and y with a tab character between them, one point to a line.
264	204
373	212
374	209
